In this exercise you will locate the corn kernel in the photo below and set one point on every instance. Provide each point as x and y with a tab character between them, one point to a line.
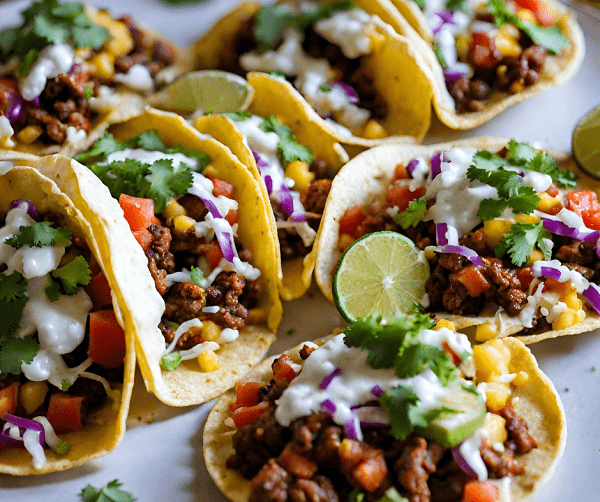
374	130
444	323
520	379
208	361
496	427
494	231
102	65
345	241
517	86
566	319
29	134
301	174
491	358
572	300
172	209
497	395
527	218
463	43
536	255
548	204
120	42
485	332
507	45
210	331
210	171
182	223
526	15
580	315
32	395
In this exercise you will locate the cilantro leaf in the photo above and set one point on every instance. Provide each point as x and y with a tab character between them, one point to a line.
202	158
13	297
440	56
106	145
171	361
63	447
16	351
12	287
40	234
149	141
550	37
109	493
401	405
420	3
456	5
325	88
74	274
417	357
414	214
356	495
238	116
166	181
197	276
65	384
521	240
272	124
52	291
289	150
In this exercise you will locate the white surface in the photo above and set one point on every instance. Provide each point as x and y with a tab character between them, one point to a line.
163	461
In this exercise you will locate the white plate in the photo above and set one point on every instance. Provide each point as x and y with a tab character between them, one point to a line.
163	461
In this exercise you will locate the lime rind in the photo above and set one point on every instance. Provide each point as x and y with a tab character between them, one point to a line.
381	273
586	143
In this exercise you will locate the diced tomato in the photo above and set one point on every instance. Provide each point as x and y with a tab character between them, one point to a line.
296	463
552	191
554	286
232	216
107	339
282	368
400	173
8	83
246	395
139	212
8	399
144	238
540	9
480	491
585	204
64	412
472	278
99	291
455	358
402	196
483	51
247	414
213	254
371	472
525	276
351	220
221	187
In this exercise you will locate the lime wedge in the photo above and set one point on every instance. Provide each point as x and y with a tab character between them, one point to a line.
586	143
206	90
381	273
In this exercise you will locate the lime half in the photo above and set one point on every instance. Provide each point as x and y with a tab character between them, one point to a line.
586	143
206	90
381	273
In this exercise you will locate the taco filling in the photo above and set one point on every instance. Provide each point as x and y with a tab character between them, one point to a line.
318	47
491	46
62	350
506	239
385	412
185	218
61	66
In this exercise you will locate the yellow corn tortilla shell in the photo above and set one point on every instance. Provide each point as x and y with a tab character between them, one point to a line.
99	221
368	175
129	104
407	19
401	75
187	385
296	274
538	403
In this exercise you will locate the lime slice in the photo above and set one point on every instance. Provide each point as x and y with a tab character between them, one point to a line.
586	143
207	90
381	273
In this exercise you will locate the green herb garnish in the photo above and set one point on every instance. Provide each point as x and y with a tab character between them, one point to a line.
171	361
40	234
109	493
414	214
440	56
520	242
288	149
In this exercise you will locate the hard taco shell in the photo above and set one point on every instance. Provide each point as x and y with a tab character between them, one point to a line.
538	403
369	174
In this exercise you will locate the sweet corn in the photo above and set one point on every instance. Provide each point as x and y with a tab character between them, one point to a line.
208	361
491	358
172	209
29	134
182	223
210	171
497	395
102	65
572	300
548	204
495	230
32	395
374	130
463	42
517	86
485	331
210	331
496	427
444	323
527	218
345	241
526	15
120	41
520	379
301	174
506	44
566	319
536	255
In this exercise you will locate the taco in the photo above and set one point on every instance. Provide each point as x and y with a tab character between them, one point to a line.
488	55
510	232
209	239
67	357
365	415
70	70
293	177
359	82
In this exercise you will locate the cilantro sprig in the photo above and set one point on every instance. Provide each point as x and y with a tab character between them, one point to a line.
288	149
521	240
111	492
550	37
40	234
49	22
159	181
271	22
413	215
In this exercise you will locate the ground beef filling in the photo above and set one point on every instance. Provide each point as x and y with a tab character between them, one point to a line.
495	72
229	291
305	462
